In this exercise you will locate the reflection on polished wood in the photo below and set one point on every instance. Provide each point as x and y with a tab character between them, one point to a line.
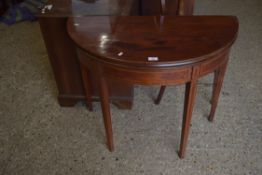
152	50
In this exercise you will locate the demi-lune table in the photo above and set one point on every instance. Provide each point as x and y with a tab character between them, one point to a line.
153	50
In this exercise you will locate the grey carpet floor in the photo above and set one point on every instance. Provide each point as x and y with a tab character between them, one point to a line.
37	136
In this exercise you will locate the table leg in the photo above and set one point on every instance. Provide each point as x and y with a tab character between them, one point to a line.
103	90
218	82
190	94
87	86
160	94
214	84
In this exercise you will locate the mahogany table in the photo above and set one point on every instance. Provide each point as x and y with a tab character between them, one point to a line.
153	50
62	53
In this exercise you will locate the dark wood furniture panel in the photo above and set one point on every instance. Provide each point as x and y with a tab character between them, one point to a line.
3	7
63	58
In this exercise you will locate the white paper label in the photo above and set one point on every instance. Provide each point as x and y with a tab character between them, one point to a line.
152	59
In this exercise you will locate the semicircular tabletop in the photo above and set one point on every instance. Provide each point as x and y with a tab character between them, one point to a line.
153	40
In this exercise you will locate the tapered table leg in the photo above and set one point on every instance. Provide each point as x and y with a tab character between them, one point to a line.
190	94
214	84
87	86
160	94
218	82
103	89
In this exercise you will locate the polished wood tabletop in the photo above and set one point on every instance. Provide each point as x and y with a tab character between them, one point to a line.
153	50
173	40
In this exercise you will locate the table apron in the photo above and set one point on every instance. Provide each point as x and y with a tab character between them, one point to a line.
169	76
161	76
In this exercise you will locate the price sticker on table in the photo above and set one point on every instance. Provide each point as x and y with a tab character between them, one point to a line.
152	58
